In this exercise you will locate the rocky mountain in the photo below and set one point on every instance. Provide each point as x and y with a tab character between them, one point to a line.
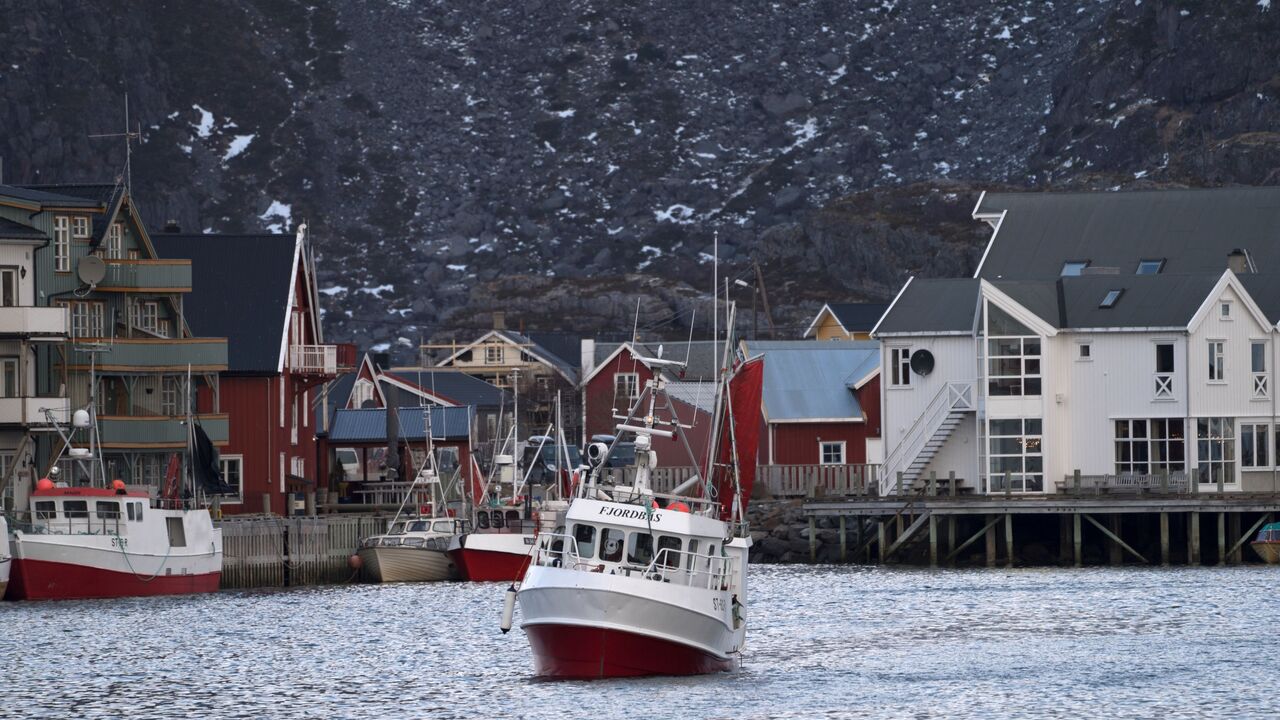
563	160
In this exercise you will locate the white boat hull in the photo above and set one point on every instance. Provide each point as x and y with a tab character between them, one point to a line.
407	564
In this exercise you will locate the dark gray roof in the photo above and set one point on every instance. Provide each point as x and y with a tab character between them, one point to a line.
570	369
858	317
943	305
100	193
339	391
1193	229
456	387
370	424
47	195
12	230
239	290
1145	300
564	345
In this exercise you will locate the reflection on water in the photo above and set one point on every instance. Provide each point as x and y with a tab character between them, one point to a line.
824	641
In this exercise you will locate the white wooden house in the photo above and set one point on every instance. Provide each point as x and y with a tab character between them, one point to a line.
1129	336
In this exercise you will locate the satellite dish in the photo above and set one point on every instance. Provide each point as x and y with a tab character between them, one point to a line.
922	362
91	269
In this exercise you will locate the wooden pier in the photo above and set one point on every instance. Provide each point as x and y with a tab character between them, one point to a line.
1074	528
273	551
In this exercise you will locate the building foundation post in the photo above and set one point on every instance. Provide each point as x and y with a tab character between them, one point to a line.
1164	538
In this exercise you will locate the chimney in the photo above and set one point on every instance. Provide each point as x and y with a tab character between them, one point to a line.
1238	261
499	320
172	227
381	360
588	356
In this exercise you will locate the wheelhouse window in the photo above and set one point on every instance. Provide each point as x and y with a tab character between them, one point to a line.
831	453
640	548
46	510
900	367
669	551
1016	449
1217	362
1255	445
1216	449
584	536
1013	355
75	508
611	542
1147	447
106	509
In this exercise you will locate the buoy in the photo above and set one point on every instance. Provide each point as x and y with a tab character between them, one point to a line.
678	506
508	609
118	486
354	562
44	484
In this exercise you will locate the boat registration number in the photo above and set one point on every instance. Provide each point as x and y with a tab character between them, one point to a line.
119	542
528	541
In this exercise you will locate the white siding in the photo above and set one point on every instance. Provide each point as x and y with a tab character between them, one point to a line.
1234	396
954	361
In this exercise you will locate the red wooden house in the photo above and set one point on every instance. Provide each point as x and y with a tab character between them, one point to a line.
615	374
259	291
821	402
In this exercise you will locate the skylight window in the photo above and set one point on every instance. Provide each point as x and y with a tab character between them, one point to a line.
1112	297
1072	268
1150	267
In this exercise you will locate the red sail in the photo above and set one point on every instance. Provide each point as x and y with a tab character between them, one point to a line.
745	386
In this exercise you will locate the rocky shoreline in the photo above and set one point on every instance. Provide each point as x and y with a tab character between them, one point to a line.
780	534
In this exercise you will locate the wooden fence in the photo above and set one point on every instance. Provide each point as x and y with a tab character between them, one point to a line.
268	551
779	480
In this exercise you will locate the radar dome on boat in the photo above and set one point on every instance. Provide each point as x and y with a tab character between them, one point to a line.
44	484
80	418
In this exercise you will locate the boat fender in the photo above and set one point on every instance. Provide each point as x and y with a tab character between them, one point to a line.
508	609
354	562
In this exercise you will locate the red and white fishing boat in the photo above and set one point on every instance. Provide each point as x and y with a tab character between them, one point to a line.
646	583
86	542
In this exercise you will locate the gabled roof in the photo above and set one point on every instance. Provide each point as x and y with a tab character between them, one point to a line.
339	391
806	381
13	230
852	317
240	287
370	424
939	306
702	357
565	346
1193	230
99	193
451	386
700	395
39	195
526	344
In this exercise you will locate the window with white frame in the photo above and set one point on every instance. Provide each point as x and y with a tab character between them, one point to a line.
1015	447
9	287
1164	371
1085	351
831	453
1148	447
232	467
9	377
1224	309
80	227
293	420
362	393
626	389
146	315
493	354
1013	355
1255	445
170	393
115	242
1217	360
1258	363
86	317
1216	449
297	467
62	243
900	367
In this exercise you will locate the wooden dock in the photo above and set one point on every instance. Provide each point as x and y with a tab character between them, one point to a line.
272	551
1064	529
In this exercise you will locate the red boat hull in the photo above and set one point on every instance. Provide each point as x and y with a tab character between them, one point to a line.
489	566
44	580
572	651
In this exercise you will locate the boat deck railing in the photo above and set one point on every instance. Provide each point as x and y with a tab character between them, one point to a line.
87	523
678	567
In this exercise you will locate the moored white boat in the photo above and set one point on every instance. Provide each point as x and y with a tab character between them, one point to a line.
89	542
413	550
645	583
6	561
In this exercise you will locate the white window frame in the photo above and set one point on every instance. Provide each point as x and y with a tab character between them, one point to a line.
1225	440
224	463
293	420
298	466
1217	361
86	317
1031	445
115	241
493	354
281	381
1255	431
1025	378
900	366
170	393
9	367
1142	433
1084	352
10	275
825	445
629	384
1164	378
146	315
80	227
1261	380
61	243
1224	309
363	392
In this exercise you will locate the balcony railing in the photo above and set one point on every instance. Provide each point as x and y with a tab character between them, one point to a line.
122	431
155	354
1164	386
46	322
30	411
162	276
314	359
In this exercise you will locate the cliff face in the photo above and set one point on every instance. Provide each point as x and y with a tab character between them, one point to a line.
561	159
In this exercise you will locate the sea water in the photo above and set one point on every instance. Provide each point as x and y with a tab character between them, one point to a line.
824	641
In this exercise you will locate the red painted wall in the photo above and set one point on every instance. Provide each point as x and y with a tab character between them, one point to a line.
798	443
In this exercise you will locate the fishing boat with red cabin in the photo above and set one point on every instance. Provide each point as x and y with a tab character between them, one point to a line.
639	582
86	538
